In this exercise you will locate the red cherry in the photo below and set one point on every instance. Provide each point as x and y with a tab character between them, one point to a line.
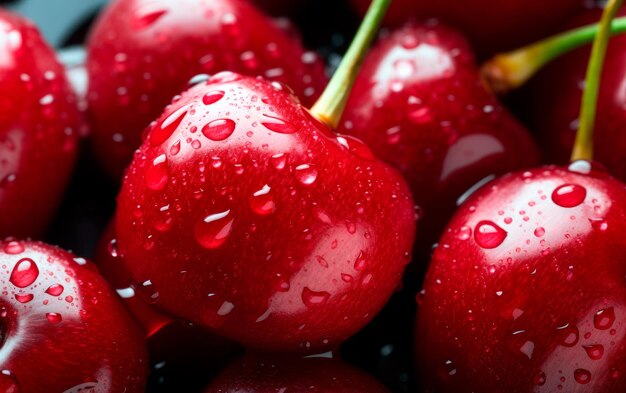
491	25
178	351
558	87
283	236
420	104
543	311
62	328
141	53
39	127
274	373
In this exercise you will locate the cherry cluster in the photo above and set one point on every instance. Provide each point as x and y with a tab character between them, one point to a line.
277	228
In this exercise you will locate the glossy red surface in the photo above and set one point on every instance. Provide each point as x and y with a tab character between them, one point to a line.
421	106
141	53
248	216
555	102
526	290
272	373
491	25
62	327
39	128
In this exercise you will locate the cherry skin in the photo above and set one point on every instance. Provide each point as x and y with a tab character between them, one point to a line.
178	351
274	373
526	292
420	104
559	88
63	328
141	53
491	25
250	217
39	127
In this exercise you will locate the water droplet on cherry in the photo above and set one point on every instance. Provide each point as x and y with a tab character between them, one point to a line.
213	230
220	129
569	195
24	273
489	235
313	299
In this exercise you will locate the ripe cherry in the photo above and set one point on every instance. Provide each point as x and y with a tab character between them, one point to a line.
39	127
274	373
63	328
491	25
420	104
258	221
142	53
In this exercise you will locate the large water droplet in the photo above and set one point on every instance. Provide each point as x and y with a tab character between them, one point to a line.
219	129
356	147
540	378
8	382
595	351
604	318
489	235
569	335
55	289
54	317
13	247
156	175
262	201
569	195
212	231
24	298
278	125
599	224
212	97
582	376
306	174
146	16
313	299
160	134
24	273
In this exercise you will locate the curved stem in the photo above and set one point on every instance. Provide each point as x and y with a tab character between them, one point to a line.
583	146
508	71
329	107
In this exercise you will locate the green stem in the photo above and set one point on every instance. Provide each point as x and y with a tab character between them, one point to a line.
583	146
510	70
329	107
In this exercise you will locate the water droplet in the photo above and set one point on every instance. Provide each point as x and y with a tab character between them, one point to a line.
489	235
219	129
161	133
595	351
262	201
312	299
212	97
599	224
540	379
212	231
175	148
569	195
360	262
55	289
464	233
146	17
582	376
527	349
156	175
54	317
24	298
13	247
356	147
8	382
540	231
306	174
278	161
24	273
278	125
604	318
569	335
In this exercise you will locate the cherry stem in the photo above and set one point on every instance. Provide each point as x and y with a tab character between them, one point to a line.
329	107
583	146
507	71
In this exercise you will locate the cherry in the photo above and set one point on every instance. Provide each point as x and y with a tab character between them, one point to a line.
259	222
178	351
39	127
274	373
141	53
558	86
62	328
420	104
526	290
491	25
